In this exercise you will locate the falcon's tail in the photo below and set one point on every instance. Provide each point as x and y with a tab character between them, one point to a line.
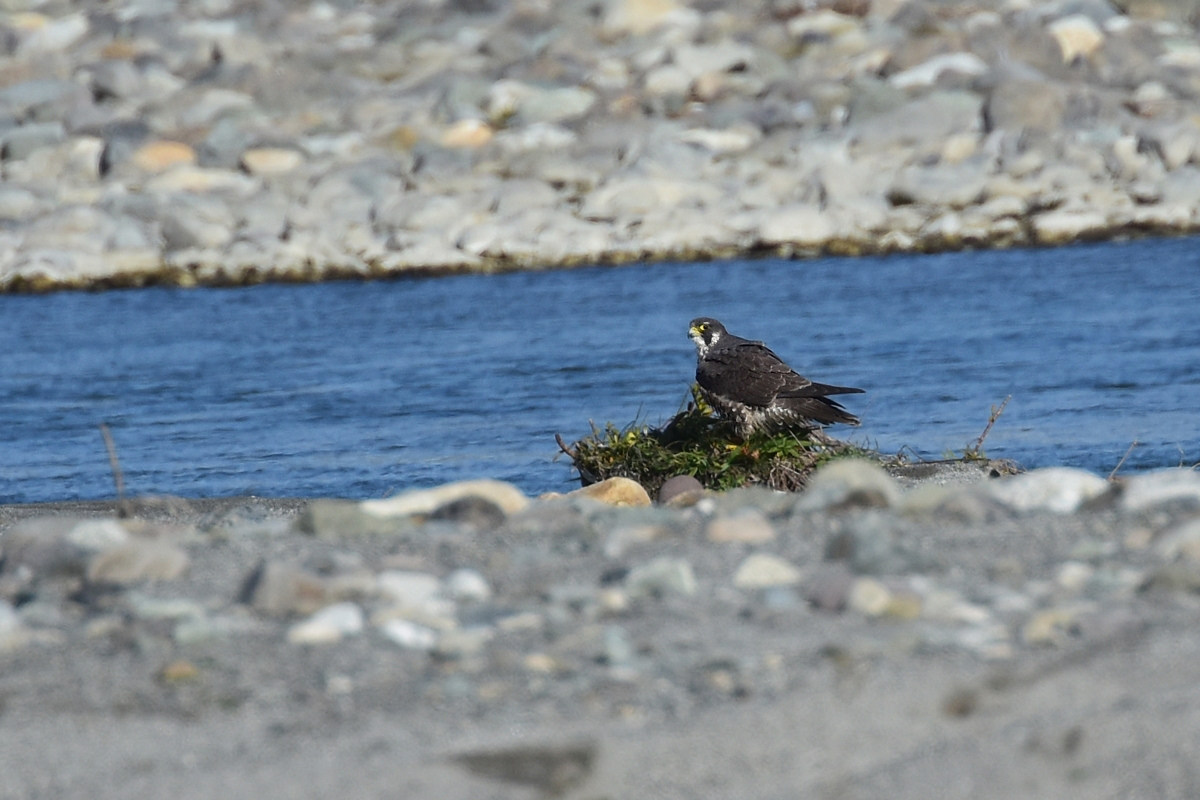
810	389
819	409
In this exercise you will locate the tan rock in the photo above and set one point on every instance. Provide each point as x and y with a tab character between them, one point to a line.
825	22
279	589
1026	105
132	260
749	526
467	134
161	155
136	561
959	147
271	160
1063	225
188	178
1077	36
615	492
870	597
179	671
1050	626
763	571
638	16
545	664
904	606
25	22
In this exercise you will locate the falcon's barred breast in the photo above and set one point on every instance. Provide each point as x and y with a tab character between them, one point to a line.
747	383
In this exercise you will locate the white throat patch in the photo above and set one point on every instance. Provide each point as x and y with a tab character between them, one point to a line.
701	345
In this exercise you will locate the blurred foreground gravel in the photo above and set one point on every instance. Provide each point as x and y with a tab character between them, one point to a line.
934	633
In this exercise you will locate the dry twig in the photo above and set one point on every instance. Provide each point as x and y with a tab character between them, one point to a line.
1117	468
976	450
113	462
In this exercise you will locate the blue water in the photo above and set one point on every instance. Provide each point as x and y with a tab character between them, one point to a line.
364	389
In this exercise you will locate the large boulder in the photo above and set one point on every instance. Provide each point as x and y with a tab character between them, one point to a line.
1023	105
927	120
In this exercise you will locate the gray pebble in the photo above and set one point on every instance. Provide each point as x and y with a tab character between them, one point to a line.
661	576
21	142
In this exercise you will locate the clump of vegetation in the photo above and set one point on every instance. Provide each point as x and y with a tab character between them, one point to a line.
694	442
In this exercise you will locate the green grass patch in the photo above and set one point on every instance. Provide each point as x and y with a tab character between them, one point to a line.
696	443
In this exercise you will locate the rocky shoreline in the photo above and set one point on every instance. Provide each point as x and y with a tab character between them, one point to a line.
934	632
238	141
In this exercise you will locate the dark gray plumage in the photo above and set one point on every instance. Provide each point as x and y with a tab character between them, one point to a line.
747	383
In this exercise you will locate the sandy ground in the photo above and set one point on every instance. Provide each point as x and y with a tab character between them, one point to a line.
858	709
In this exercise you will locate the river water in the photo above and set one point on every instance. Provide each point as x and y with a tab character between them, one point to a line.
363	389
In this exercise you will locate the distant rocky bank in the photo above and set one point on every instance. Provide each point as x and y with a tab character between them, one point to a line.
235	141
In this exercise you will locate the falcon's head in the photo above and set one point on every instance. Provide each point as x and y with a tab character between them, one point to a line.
705	331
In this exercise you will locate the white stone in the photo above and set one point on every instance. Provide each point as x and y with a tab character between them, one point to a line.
763	571
1182	540
535	136
328	625
723	56
667	80
508	98
408	588
948	606
638	196
928	72
730	140
467	584
97	534
1161	487
271	160
868	596
9	620
825	22
203	179
1063	225
801	225
147	607
409	635
1074	575
747	525
509	498
1061	490
661	576
56	36
838	481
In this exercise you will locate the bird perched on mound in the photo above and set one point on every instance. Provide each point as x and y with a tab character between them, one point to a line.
747	383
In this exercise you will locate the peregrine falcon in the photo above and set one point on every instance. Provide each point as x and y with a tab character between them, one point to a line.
747	383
